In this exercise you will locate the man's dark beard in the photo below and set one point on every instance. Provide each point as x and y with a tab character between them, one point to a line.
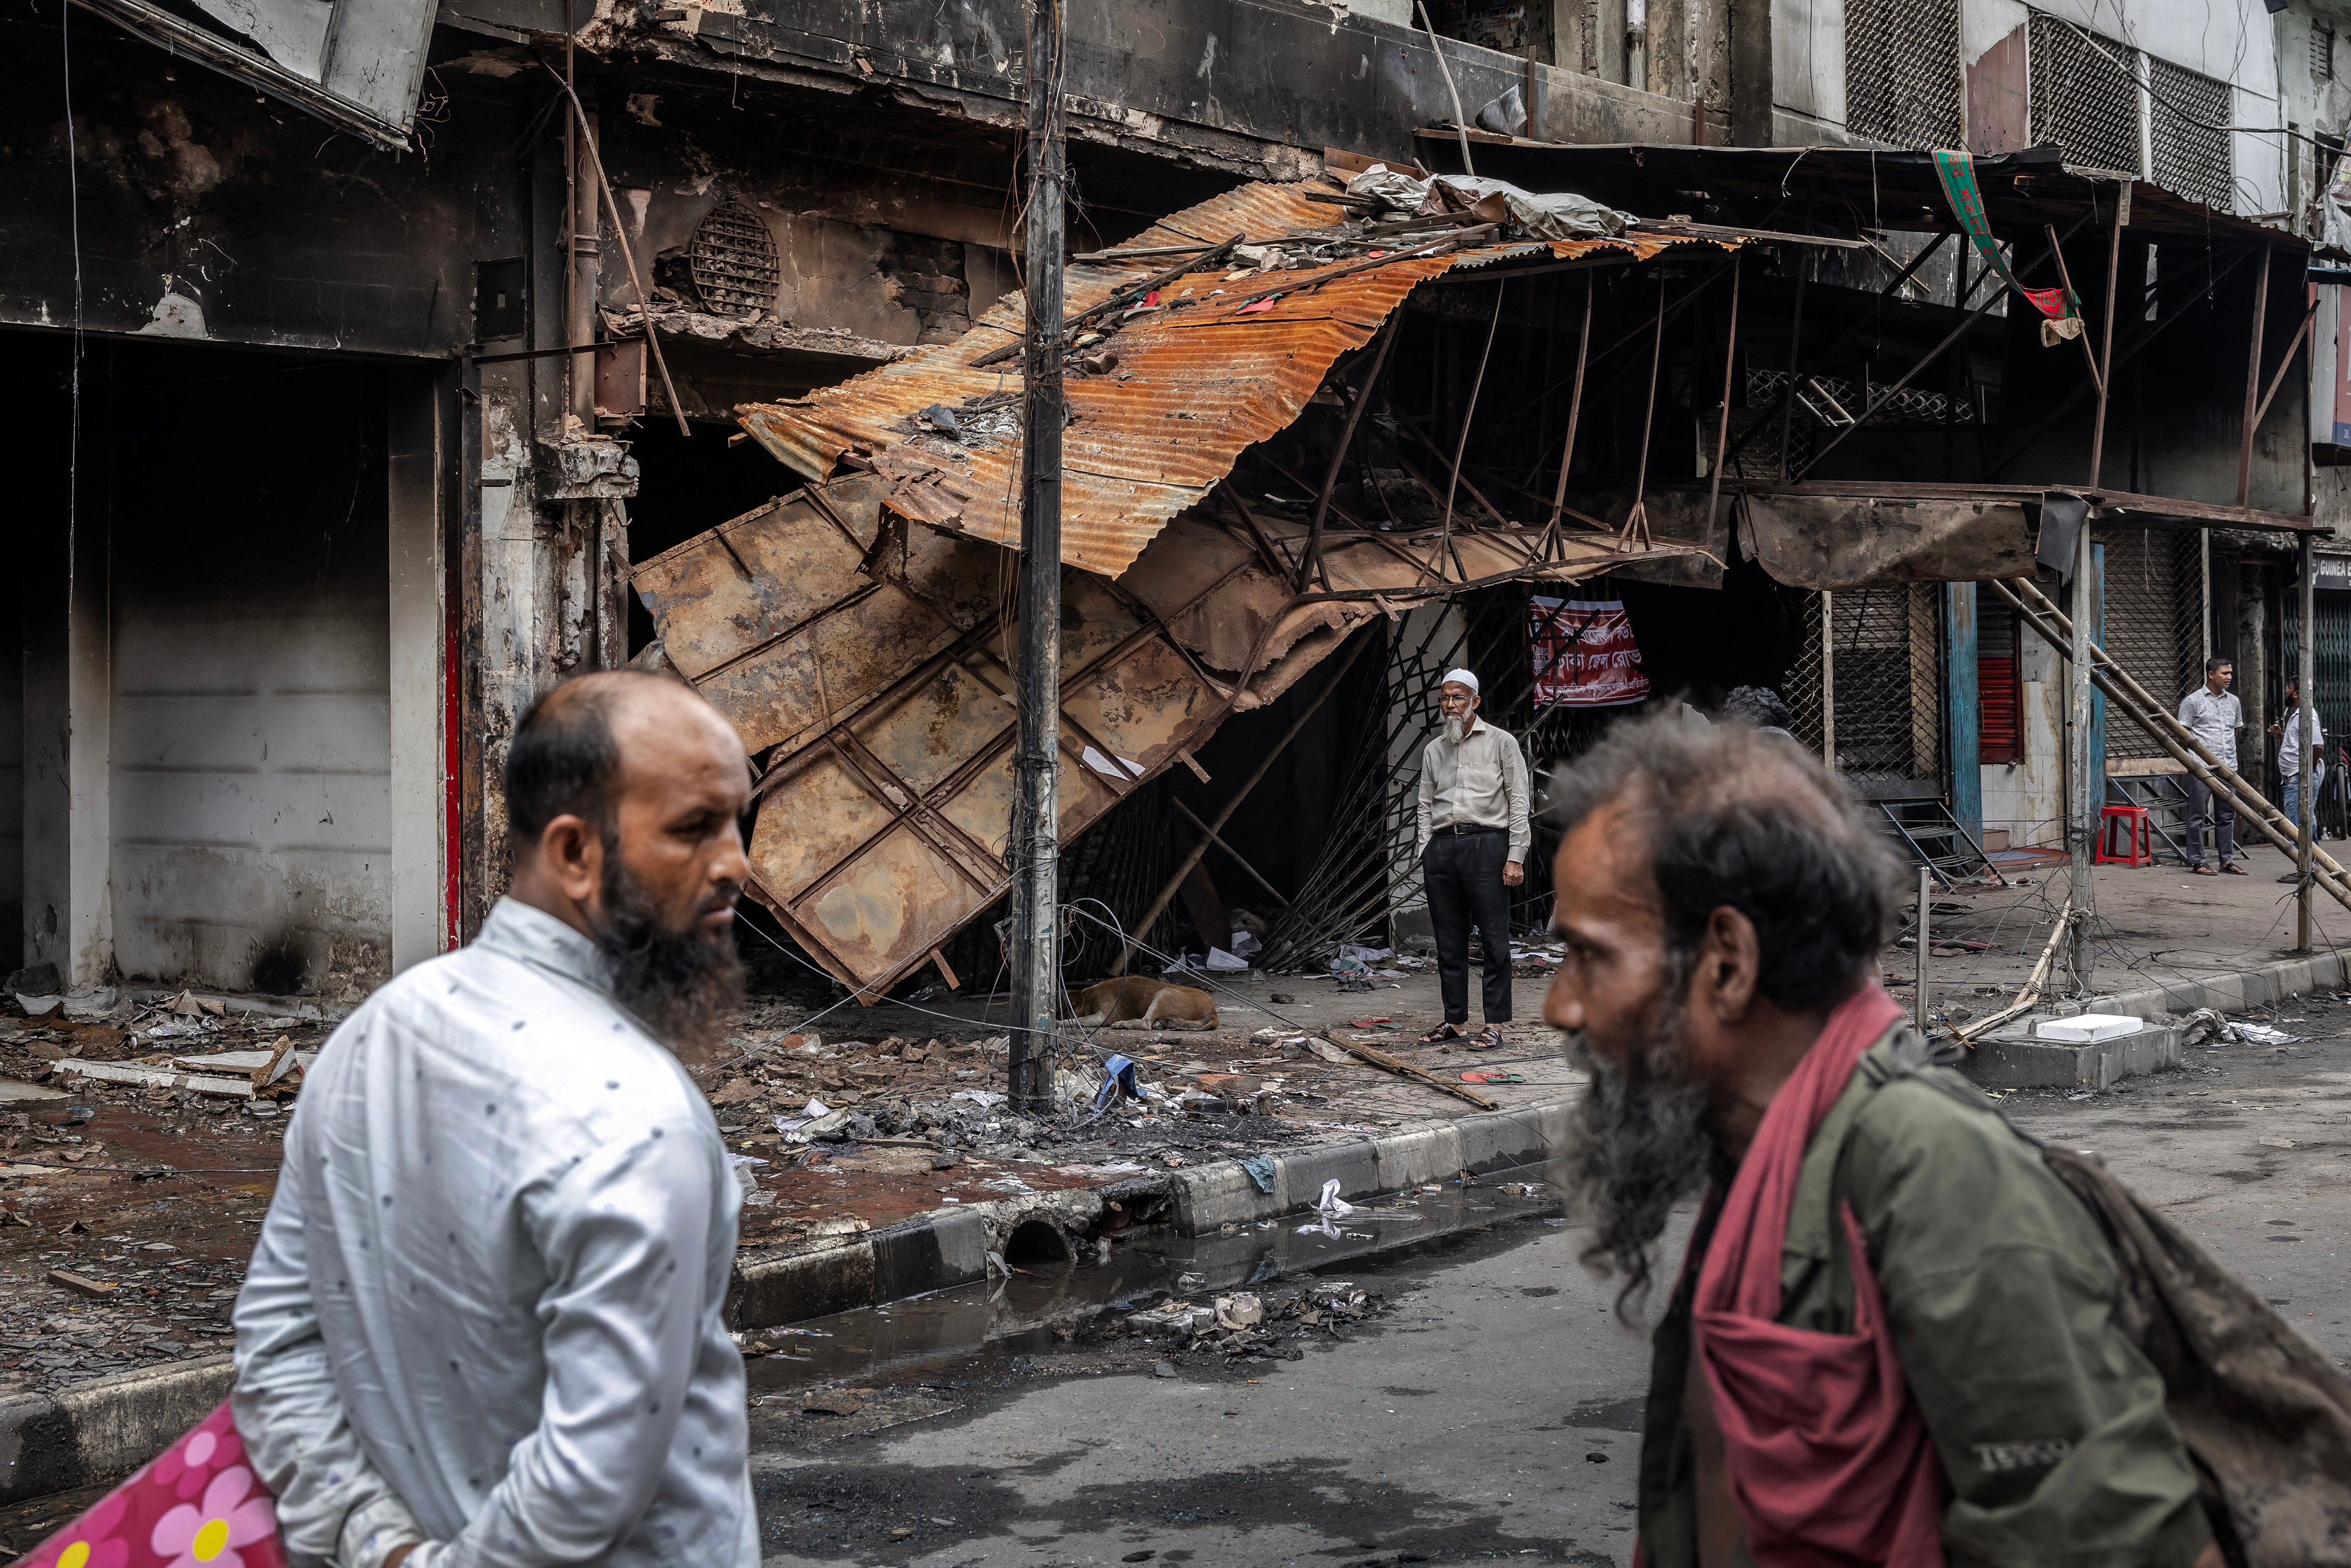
681	985
1644	1148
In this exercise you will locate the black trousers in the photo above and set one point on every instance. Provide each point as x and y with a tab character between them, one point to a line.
1463	873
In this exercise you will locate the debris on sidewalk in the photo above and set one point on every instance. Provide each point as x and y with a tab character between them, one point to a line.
2207	1026
1244	1327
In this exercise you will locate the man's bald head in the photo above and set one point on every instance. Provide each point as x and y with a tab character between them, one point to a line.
624	798
575	746
1727	816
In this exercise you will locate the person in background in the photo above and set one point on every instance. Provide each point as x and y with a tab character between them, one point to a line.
484	1325
1760	707
2212	714
1473	839
2289	739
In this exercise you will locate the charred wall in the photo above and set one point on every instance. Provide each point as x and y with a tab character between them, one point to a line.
194	209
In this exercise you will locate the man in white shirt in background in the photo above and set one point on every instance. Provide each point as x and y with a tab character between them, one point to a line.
2289	739
2212	714
483	1323
1473	839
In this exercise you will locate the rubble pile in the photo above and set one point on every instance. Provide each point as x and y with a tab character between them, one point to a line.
106	1046
791	1101
1251	1326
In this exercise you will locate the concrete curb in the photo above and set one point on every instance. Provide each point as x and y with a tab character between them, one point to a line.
106	1428
950	1247
2270	984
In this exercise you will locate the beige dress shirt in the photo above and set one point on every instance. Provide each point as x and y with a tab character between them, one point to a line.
1482	782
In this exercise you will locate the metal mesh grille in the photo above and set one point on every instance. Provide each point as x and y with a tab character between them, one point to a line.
1834	400
2190	158
1367	870
733	259
2081	100
1902	82
2330	683
2154	595
1888	669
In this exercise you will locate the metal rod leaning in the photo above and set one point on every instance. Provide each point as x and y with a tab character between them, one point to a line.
1311	562
636	282
1978	1028
1168	892
1574	412
2254	379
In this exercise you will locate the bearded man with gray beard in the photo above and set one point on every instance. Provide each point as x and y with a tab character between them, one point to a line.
1894	1337
1472	844
483	1323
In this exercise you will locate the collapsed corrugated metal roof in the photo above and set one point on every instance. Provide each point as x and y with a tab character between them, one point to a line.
1213	368
874	661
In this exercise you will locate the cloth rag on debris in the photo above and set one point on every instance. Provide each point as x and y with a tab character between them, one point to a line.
1827	1456
1118	1079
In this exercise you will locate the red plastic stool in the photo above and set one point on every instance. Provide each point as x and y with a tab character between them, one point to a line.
2133	821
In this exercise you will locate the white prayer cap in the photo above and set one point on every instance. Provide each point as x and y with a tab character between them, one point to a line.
1461	678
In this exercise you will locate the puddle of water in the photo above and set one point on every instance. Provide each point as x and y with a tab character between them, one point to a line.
1021	1313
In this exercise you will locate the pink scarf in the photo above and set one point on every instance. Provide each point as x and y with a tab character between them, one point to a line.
1829	1462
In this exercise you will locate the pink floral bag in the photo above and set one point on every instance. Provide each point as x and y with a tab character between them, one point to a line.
198	1506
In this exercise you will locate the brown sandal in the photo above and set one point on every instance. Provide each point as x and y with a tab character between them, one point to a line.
2230	868
2203	871
1488	1039
1441	1034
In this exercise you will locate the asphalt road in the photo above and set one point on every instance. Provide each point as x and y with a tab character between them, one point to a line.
1493	1411
1489	1410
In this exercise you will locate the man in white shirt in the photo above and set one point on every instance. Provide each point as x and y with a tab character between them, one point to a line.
2289	739
2212	714
483	1324
1473	841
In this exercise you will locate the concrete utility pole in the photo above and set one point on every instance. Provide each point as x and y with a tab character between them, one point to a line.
1035	843
2306	796
2081	811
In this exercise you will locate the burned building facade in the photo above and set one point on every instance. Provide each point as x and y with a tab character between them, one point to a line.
360	421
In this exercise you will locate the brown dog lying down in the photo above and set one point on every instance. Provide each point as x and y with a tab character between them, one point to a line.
1138	1002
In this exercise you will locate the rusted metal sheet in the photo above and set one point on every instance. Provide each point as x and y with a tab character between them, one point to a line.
1842	542
1199	378
873	662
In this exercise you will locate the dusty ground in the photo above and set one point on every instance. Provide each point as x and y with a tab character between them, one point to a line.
2150	923
1487	1406
168	1186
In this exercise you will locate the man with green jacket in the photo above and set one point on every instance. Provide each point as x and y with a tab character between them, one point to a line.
1721	907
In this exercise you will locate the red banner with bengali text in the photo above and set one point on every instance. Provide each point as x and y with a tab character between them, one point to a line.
1584	654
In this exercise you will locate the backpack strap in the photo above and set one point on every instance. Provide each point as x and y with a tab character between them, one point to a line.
1913	1053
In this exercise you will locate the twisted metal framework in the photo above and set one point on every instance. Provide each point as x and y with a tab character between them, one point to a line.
1368	869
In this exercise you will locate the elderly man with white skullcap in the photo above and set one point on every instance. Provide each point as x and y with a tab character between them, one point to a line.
1473	850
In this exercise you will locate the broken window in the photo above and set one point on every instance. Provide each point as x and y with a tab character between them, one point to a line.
355	66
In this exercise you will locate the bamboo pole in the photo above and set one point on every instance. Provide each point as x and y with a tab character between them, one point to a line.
2183	747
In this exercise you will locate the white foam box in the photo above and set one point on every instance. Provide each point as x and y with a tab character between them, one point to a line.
2083	1028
